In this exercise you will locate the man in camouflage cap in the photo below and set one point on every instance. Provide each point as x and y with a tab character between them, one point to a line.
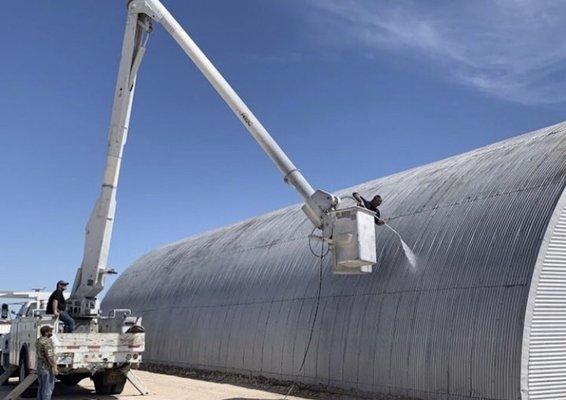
46	363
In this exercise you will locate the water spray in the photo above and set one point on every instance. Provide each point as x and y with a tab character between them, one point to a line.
411	257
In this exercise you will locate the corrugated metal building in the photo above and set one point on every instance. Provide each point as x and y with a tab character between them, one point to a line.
482	316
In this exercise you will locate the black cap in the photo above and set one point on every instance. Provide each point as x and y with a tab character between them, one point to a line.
63	283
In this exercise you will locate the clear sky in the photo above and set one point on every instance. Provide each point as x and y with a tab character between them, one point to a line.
352	90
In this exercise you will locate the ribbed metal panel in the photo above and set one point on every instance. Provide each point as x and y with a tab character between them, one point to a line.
241	299
547	318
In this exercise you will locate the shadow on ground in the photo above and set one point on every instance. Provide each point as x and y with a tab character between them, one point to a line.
78	391
75	392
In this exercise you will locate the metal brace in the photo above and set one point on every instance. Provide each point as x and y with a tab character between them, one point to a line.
7	374
22	386
135	381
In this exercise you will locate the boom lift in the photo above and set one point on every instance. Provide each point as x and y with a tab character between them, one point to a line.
104	347
349	232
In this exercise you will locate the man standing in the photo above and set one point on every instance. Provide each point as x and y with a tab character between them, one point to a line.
370	205
57	306
46	363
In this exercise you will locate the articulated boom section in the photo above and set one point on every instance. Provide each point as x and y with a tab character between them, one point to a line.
89	281
320	206
349	235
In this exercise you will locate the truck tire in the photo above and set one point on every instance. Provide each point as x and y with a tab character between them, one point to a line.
118	388
100	386
23	369
107	382
23	372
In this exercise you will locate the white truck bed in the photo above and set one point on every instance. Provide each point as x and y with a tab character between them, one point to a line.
80	351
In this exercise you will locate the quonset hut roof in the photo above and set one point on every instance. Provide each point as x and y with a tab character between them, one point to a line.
483	315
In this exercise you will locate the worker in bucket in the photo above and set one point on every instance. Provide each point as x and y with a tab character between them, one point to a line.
46	363
370	205
57	306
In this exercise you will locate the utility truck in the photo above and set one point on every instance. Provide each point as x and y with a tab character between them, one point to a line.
104	347
103	350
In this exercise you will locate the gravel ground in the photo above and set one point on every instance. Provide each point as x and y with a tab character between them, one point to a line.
166	387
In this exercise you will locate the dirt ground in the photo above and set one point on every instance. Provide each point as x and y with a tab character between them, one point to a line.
165	387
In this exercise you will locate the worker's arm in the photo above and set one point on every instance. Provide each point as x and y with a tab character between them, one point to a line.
48	353
55	309
53	365
50	356
358	198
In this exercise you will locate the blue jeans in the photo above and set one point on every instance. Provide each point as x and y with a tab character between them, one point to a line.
46	380
69	322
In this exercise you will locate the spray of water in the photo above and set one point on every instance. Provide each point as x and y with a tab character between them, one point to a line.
408	252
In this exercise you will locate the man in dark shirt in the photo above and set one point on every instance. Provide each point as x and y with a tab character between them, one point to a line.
370	205
57	306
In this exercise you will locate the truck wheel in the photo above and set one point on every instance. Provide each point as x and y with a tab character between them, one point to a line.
100	385
23	372
106	383
118	387
2	370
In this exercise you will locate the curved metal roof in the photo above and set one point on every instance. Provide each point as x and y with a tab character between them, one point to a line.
241	298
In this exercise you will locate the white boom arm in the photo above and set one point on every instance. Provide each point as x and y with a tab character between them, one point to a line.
89	280
90	276
316	204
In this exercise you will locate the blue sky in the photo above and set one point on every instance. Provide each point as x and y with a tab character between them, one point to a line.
352	90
